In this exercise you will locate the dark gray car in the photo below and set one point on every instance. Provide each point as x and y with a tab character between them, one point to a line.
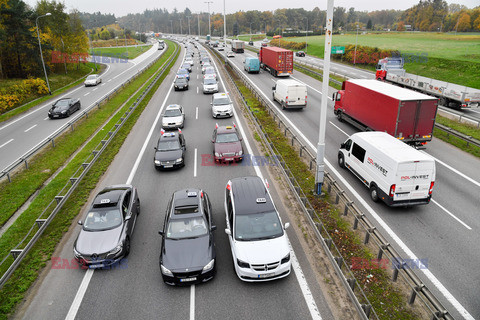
108	227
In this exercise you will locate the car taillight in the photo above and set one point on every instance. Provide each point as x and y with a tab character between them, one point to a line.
229	187
431	187
392	190
286	98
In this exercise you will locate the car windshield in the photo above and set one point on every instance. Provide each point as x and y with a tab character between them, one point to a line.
173	113
105	219
182	71
258	226
186	65
221	101
181	80
61	103
227	138
186	228
168	145
209	71
91	77
209	81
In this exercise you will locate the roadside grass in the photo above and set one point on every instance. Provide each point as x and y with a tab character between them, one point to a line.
129	52
114	42
253	37
387	301
15	289
462	128
59	83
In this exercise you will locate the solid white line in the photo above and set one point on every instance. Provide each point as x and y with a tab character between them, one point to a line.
6	143
196	113
307	295
452	215
379	220
80	294
30	128
195	164
192	302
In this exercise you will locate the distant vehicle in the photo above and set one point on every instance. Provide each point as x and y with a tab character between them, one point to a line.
251	64
300	53
278	61
208	37
257	237
250	43
187	253
451	95
180	83
187	65
372	105
189	60
222	106
227	144
173	117
63	108
108	227
277	37
230	54
210	85
210	72
196	38
183	73
395	173
93	80
205	66
170	150
264	44
290	94
238	46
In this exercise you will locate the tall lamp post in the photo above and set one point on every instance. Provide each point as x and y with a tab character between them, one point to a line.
64	60
181	30
306	36
188	25
198	19
251	28
224	34
209	27
41	54
355	54
171	26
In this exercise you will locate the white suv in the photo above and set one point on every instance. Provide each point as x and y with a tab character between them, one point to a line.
222	106
258	241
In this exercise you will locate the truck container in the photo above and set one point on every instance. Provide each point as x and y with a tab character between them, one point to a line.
450	94
372	105
278	61
238	46
395	173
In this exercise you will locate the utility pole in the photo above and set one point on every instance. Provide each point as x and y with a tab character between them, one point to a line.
209	27
224	34
41	54
355	54
319	176
306	36
64	60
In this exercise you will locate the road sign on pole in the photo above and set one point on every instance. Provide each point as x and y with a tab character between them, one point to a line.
338	49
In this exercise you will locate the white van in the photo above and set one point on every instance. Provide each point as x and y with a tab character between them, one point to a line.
394	172
290	94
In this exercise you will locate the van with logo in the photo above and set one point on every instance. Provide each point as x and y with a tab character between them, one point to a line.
394	172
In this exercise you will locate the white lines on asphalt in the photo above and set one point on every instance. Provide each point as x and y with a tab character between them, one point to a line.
452	215
196	113
95	89
192	302
30	128
109	80
195	164
197	90
444	291
3	145
80	294
86	94
103	84
197	76
309	86
46	118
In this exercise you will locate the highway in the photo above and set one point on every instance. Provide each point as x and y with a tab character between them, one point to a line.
443	232
20	134
136	291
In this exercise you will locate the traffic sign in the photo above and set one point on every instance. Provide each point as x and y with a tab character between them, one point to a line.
338	49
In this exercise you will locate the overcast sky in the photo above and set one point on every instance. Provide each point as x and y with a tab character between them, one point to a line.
123	7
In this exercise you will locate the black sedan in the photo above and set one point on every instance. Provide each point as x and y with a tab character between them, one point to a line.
170	150
63	108
188	247
106	233
180	84
300	54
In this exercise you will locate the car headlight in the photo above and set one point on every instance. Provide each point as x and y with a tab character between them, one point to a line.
157	162
239	153
242	264
217	154
76	253
208	266
165	271
178	123
285	259
64	111
179	160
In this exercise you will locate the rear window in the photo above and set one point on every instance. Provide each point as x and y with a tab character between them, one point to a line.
358	152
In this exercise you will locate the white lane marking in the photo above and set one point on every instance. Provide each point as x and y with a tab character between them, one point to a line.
196	113
195	164
46	118
197	90
452	215
80	294
307	294
88	275
309	86
95	89
86	94
103	84
197	76
30	128
109	80
379	220
3	145
192	302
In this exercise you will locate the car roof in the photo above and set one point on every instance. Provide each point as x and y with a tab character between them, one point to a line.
220	95
187	198
250	196
174	106
169	136
108	197
226	129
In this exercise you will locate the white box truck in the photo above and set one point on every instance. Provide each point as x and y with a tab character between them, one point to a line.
394	172
290	94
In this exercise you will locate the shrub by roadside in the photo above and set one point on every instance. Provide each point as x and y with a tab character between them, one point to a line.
15	94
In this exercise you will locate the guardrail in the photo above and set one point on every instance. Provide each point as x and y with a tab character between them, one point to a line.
430	304
49	213
6	172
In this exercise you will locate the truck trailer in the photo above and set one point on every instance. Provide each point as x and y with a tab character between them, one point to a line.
278	61
238	46
372	105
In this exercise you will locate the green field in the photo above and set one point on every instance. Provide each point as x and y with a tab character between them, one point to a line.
130	52
452	58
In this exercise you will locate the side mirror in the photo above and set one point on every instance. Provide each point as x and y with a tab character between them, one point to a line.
161	233
227	231
287	224
240	139
273	88
213	228
342	145
213	141
80	222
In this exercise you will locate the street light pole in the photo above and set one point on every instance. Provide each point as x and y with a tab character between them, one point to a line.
188	25
251	28
355	54
171	26
306	38
64	60
209	27
198	19
41	54
224	34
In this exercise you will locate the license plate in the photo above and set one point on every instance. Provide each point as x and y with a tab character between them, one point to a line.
96	266
188	279
168	166
266	275
228	159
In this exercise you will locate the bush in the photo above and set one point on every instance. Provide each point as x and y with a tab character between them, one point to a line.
291	45
12	96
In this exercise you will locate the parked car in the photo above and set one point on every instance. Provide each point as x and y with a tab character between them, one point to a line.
93	80
63	108
187	253
173	117
300	54
108	227
180	84
227	144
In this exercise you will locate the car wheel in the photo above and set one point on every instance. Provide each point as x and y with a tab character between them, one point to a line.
341	160
283	105
127	246
339	116
374	192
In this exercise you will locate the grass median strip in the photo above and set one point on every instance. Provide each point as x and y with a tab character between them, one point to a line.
14	290
387	301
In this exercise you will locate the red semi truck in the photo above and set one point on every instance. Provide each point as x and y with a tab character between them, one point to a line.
372	105
278	61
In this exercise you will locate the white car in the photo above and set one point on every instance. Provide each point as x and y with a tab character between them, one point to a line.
206	65
92	80
189	60
230	54
174	117
258	240
222	106
210	85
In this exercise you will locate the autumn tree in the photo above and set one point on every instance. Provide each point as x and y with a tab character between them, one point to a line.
464	22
